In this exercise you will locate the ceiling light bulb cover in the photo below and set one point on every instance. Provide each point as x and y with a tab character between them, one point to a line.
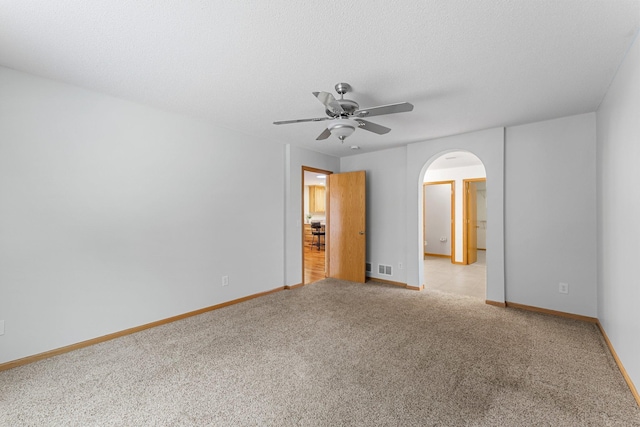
342	127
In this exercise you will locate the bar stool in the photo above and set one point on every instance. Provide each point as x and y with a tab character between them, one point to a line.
317	231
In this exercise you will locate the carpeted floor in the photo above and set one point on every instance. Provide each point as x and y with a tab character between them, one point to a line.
333	353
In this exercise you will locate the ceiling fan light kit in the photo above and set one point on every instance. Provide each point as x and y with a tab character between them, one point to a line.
345	115
342	128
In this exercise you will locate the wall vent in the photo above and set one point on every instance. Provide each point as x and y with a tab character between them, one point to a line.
368	267
385	269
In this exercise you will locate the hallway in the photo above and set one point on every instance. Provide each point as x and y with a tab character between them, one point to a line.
470	280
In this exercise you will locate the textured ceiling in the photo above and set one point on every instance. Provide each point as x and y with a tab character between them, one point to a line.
465	65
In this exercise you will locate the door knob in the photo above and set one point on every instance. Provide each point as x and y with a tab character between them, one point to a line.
361	233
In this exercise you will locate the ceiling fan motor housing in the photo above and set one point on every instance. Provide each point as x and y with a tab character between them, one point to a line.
348	106
343	88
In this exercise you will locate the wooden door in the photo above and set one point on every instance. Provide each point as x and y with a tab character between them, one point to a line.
472	222
347	232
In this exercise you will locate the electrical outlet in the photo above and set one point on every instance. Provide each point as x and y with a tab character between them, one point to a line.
225	280
399	266
1	327
563	288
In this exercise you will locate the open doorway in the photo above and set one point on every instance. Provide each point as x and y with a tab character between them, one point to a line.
455	266
439	219
315	228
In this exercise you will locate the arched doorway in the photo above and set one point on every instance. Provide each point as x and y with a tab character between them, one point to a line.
455	221
487	145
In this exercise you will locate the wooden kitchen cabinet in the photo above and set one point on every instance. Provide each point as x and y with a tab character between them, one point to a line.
317	198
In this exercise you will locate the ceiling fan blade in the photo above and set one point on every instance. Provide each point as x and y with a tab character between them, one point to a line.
316	119
324	135
329	101
372	127
401	107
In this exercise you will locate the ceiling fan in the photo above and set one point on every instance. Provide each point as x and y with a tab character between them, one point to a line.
345	115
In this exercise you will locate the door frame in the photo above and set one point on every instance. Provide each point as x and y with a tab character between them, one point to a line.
465	214
452	237
302	245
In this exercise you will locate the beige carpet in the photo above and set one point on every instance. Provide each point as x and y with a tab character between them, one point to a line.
333	353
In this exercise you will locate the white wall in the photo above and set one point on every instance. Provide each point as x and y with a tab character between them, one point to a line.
482	215
437	214
488	146
295	158
113	214
386	192
458	175
618	145
550	220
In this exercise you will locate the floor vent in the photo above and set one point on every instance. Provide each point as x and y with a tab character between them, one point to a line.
385	269
368	267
